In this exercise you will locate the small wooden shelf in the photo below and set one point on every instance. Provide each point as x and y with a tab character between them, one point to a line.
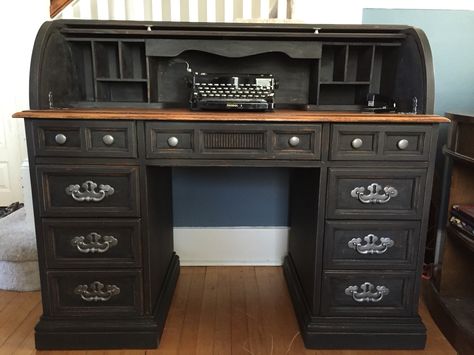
122	80
345	83
458	156
461	237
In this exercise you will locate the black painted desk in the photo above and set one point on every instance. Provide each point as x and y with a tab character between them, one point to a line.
359	196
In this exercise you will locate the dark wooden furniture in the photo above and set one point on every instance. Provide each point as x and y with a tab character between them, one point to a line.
450	293
107	126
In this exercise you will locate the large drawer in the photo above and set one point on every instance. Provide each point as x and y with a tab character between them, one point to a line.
232	141
369	244
75	138
367	293
95	293
363	193
380	142
91	243
70	191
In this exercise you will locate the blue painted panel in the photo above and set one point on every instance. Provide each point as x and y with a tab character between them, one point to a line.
451	37
227	197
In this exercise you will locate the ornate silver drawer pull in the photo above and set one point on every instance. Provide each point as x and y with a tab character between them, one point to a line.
94	243
371	246
95	292
370	293
375	195
89	193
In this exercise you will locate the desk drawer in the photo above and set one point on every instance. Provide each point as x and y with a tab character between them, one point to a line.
367	293
232	141
375	193
371	244
95	293
91	243
70	191
84	138
380	142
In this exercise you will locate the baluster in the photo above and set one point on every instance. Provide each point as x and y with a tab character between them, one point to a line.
157	10
103	10
281	9
264	9
193	10
211	10
117	10
135	10
246	9
85	9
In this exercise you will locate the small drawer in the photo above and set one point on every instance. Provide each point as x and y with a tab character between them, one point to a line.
168	140
375	193
369	244
380	142
95	293
367	293
296	142
91	243
84	139
70	191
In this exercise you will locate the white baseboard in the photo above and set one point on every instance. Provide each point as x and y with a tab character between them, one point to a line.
231	246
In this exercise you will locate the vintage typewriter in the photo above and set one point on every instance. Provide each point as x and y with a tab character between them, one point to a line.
246	92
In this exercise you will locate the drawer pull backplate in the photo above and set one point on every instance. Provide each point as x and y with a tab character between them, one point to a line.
371	246
89	193
370	293
94	243
95	292
375	193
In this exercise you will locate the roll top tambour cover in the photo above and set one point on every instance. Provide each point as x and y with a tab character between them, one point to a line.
96	64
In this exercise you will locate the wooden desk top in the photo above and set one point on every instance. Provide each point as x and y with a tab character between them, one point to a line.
226	116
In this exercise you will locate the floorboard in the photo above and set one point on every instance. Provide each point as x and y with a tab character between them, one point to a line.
215	310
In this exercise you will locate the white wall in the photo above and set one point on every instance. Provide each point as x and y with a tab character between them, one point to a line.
19	23
350	11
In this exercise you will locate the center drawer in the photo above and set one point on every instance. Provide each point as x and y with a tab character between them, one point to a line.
88	191
232	141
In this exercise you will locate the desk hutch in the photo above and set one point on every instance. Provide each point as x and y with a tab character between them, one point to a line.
109	120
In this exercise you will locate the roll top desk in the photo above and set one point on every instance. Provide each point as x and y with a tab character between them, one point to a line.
109	121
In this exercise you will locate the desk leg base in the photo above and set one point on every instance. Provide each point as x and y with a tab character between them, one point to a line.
351	332
126	333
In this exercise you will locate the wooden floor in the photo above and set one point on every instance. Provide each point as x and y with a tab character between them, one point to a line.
215	310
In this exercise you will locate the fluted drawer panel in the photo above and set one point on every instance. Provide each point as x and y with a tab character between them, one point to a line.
219	140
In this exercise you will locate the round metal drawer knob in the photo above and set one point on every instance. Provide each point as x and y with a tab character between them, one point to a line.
356	143
108	139
60	138
294	141
402	144
173	141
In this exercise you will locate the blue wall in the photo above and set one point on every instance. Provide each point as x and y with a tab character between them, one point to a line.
212	197
215	197
451	37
